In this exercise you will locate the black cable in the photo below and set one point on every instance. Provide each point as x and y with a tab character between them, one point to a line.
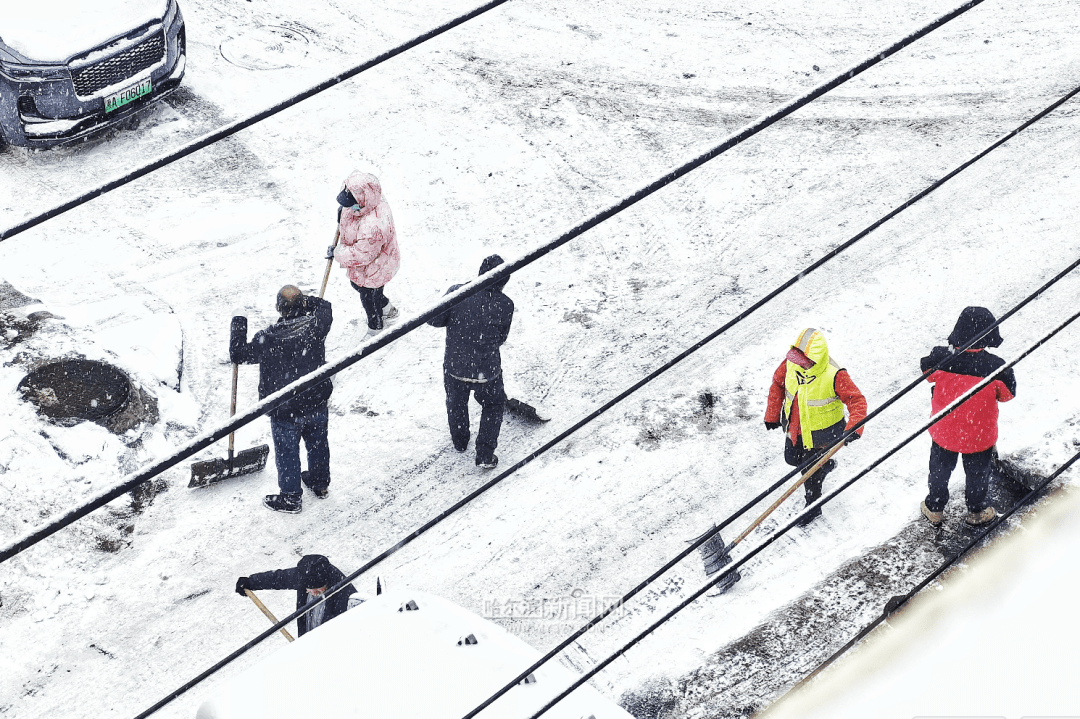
504	271
695	544
468	498
431	523
235	127
900	600
239	125
955	404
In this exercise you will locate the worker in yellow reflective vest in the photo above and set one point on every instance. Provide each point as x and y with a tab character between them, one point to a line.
808	395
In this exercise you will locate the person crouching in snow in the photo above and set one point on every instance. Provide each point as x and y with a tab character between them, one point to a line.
971	429
310	579
367	245
807	397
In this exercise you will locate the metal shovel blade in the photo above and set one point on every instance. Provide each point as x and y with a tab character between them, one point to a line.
526	411
714	555
211	471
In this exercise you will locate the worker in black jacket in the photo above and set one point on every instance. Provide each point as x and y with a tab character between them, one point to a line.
311	577
285	351
475	329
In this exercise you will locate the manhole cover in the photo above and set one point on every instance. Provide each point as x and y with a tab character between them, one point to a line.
270	47
76	389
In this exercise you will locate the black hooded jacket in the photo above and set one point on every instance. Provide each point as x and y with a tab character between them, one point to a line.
293	579
972	322
285	351
475	329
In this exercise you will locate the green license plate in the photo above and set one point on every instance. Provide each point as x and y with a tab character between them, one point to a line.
115	102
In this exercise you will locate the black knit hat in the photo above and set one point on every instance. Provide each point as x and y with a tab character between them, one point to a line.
315	571
491	262
973	321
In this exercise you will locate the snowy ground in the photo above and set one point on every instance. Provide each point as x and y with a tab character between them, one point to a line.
1002	601
495	138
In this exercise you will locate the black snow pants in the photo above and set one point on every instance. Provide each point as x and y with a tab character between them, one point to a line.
977	467
373	301
796	454
492	399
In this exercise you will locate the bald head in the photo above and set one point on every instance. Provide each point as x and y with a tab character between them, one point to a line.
290	300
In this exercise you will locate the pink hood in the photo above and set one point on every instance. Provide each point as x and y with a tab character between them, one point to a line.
367	245
366	189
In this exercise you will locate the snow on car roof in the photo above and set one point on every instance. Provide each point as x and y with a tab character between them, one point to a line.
381	661
70	27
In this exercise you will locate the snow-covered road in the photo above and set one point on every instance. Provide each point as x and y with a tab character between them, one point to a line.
495	138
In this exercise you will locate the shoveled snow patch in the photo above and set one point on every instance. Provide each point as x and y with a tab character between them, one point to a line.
988	642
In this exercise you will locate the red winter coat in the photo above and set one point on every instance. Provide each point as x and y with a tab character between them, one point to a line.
367	245
972	427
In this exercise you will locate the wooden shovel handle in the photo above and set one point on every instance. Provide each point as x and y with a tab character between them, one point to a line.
329	264
267	612
809	473
232	409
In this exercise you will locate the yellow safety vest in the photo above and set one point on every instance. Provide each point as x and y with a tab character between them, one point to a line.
819	407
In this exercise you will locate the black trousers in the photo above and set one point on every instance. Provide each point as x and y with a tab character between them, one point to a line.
977	467
796	454
492	398
373	301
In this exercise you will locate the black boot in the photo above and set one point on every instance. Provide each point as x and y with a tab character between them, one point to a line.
812	488
283	503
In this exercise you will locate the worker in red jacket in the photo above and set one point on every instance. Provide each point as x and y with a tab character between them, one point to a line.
971	429
808	396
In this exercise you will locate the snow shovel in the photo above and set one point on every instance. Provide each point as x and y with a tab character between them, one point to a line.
531	413
525	411
251	460
329	262
716	555
267	612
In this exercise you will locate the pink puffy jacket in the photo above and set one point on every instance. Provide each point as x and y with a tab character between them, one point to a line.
367	246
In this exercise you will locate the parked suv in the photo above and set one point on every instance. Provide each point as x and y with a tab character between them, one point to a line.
71	67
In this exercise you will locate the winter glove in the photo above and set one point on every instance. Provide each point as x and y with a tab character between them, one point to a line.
771	425
239	329
852	438
238	337
241	584
330	252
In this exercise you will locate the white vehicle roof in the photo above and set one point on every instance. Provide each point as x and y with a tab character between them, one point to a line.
63	28
377	661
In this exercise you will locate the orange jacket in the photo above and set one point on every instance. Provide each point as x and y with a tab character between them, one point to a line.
844	387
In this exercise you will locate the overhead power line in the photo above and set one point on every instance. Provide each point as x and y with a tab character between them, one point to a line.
816	505
670	564
503	271
235	127
405	541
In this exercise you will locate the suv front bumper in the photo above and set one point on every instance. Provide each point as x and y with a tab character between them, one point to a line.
47	112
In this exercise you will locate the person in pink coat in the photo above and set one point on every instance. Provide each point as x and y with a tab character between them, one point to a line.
367	245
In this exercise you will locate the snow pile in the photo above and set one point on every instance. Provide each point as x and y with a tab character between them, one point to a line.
380	659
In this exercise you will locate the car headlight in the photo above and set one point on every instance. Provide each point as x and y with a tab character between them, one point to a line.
33	73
